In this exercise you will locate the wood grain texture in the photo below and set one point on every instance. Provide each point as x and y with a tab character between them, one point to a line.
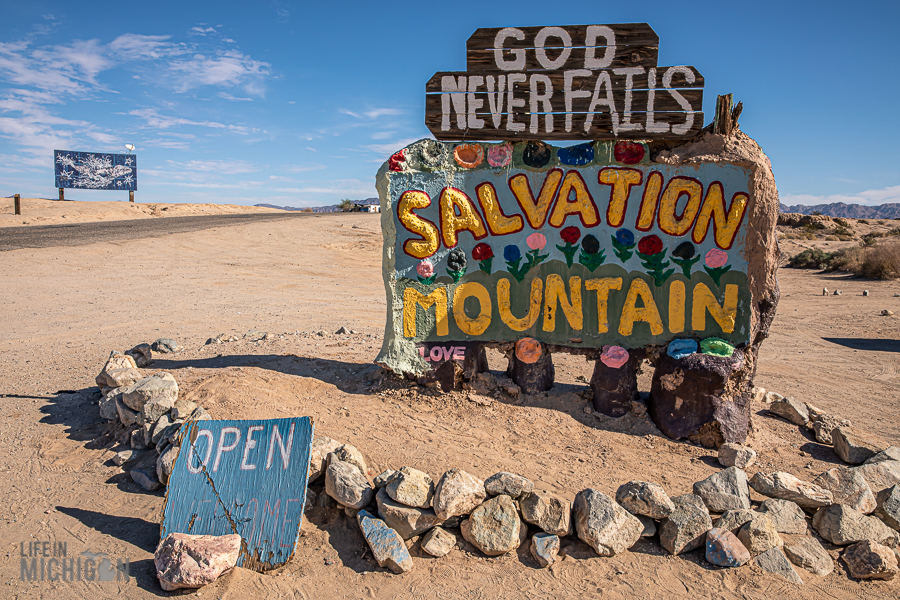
558	80
484	59
627	34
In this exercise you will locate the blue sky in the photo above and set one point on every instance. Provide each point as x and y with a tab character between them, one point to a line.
298	103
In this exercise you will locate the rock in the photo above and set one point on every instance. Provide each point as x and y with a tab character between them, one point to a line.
786	516
457	493
736	455
118	378
159	428
854	446
836	293
143	473
889	453
550	513
141	354
865	292
108	408
165	346
123	457
849	487
544	548
733	520
405	520
645	498
759	535
155	410
254	335
494	526
387	546
649	526
345	483
182	409
787	487
384	478
774	561
192	561
725	490
165	462
342	331
887	313
773	397
842	526
824	291
349	454
807	553
199	414
127	416
815	413
116	362
758	394
881	475
604	525
161	387
411	487
685	529
438	542
792	410
868	560
724	549
888	507
510	484
321	447
824	427
137	439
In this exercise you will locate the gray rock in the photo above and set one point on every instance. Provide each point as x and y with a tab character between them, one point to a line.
868	560
127	416
199	414
849	487
604	525
321	447
807	553
438	542
457	493
725	490
881	475
159	428
143	473
405	520
759	535
772	397
165	346
510	484
137	439
815	413
384	478
842	526
724	549
141	354
550	513
352	512
494	526
685	529
345	483
411	487
733	520
855	446
774	561
342	331
165	462
787	487
161	387
349	454
824	426
645	498
792	410
888	507
544	548
183	408
155	410
123	457
108	408
736	455
649	526
785	515
387	547
889	453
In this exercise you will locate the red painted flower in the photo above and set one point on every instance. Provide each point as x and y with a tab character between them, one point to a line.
628	153
650	245
482	252
570	234
396	161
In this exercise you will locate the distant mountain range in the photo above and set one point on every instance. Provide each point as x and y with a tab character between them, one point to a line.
329	208
849	211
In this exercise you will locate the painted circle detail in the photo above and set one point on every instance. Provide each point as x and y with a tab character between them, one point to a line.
528	350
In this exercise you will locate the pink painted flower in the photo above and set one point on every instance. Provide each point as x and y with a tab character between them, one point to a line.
614	356
536	241
425	269
716	258
499	156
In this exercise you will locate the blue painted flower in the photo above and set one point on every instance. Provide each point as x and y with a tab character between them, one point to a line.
512	253
682	348
578	155
625	237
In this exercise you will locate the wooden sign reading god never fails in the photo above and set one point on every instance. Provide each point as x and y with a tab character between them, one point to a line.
591	82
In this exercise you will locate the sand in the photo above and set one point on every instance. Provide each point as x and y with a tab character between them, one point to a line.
65	309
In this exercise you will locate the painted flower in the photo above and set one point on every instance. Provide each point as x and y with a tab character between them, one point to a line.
500	156
716	258
512	253
590	244
536	154
536	241
625	237
425	269
570	234
628	153
650	245
614	356
482	251
578	155
468	156
456	260
682	348
684	250
716	347
395	163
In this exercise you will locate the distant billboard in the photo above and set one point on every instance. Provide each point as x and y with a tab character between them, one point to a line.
95	170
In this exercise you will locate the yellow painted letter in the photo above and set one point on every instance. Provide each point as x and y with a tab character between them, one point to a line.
467	220
555	293
497	222
602	286
647	313
505	309
535	211
725	224
705	300
676	306
412	298
583	205
649	201
430	241
677	187
621	180
467	325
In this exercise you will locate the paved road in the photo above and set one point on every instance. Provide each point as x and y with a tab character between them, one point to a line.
77	234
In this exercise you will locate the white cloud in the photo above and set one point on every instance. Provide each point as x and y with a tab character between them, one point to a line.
387	149
372	114
203	30
133	46
227	96
155	120
217	166
868	197
229	68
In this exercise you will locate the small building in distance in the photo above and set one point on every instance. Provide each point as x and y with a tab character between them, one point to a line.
370	205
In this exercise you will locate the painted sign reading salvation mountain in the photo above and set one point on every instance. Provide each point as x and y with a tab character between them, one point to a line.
585	246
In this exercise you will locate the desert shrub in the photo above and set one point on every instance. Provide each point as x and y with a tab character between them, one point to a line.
806	235
846	259
814	226
881	262
842	230
881	222
790	236
870	239
816	213
845	238
832	238
842	222
863	221
812	258
894	231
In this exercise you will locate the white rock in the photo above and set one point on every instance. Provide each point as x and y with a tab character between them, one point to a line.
458	493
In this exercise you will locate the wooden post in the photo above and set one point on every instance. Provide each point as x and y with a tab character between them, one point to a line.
17	204
727	115
131	195
62	195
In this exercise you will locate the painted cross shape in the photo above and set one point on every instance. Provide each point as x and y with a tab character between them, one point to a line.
244	477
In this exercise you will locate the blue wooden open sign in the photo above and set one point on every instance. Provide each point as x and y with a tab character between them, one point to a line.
247	477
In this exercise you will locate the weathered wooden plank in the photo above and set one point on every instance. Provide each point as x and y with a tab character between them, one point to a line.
485	59
244	477
619	81
626	34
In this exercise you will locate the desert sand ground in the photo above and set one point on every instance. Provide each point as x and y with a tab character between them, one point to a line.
65	309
